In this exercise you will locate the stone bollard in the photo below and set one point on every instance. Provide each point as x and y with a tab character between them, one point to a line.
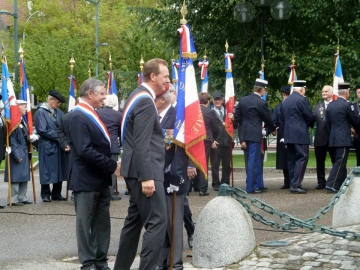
223	235
346	211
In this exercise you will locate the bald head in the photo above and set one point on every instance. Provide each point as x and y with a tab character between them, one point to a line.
327	92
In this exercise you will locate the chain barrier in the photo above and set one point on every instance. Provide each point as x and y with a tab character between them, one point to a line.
290	221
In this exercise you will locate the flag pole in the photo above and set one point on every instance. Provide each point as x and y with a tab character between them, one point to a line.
89	69
21	51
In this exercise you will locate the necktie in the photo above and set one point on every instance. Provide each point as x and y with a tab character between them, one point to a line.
221	114
326	103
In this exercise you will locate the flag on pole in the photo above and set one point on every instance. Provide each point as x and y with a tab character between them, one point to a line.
204	75
111	88
11	109
338	75
25	95
175	73
189	129
229	93
72	93
292	75
262	76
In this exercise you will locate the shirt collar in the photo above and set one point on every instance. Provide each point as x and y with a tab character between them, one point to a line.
163	113
83	101
257	94
150	90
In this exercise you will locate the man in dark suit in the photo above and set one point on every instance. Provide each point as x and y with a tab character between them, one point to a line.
356	137
214	127
2	138
340	117
222	152
322	135
143	169
250	112
90	170
112	120
281	156
297	119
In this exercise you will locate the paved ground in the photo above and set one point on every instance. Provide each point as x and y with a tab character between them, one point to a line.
42	235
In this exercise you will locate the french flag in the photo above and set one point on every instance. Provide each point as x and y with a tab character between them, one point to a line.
72	93
112	89
189	129
338	76
11	109
229	94
175	73
25	95
204	75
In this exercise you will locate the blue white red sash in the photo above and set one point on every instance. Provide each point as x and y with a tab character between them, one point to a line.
129	107
94	117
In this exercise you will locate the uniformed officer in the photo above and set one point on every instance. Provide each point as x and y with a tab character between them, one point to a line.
281	156
297	119
356	137
322	135
340	117
250	112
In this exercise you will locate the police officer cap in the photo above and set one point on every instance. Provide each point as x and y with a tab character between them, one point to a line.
57	95
343	86
218	94
261	83
358	86
299	84
286	89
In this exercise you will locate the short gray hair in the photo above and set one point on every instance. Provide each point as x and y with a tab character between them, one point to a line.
166	95
342	91
110	101
297	89
91	83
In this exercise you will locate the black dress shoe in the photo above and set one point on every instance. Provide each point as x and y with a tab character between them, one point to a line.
332	189
298	190
16	204
127	192
320	186
190	241
203	193
2	206
256	191
26	202
46	199
216	188
115	198
61	198
263	188
103	268
285	187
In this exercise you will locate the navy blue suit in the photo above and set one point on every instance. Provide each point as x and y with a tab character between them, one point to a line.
250	112
340	117
297	117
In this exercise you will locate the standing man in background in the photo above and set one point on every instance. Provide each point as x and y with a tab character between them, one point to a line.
298	117
3	133
112	120
321	140
356	137
51	159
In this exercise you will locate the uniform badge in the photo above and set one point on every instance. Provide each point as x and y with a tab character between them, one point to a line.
321	109
168	137
352	107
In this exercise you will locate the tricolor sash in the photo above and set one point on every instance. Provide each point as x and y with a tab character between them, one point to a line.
128	108
94	117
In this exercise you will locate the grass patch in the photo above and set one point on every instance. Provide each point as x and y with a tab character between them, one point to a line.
2	166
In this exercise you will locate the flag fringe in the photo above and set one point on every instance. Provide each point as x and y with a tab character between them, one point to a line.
192	158
189	55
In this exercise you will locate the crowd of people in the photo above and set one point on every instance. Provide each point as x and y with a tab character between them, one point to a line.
83	147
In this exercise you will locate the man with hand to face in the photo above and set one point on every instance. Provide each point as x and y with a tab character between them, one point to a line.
143	169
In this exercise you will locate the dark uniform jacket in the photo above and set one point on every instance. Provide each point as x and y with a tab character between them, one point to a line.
341	117
213	125
143	149
250	112
112	121
356	141
278	121
297	119
322	132
224	138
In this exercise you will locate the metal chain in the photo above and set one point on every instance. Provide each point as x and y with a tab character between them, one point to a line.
291	222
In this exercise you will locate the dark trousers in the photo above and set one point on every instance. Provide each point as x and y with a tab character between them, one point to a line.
220	154
147	212
92	227
286	177
203	183
357	151
164	259
113	176
338	174
320	155
188	222
253	164
55	193
297	155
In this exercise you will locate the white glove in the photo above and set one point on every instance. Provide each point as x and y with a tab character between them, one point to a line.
8	150
282	140
172	188
263	132
34	137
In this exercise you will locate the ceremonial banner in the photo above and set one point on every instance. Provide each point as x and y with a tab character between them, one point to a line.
25	95
229	94
175	74
11	109
112	89
189	129
338	76
72	93
204	75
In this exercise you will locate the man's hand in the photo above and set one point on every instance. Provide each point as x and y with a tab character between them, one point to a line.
191	172
67	148
214	145
117	170
19	160
148	187
231	116
243	145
